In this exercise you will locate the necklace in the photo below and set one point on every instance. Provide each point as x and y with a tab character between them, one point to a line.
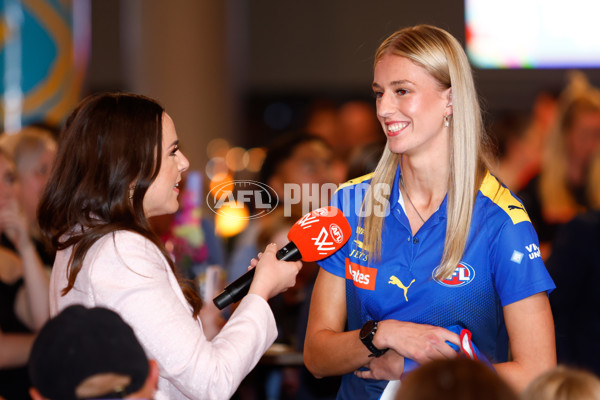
409	200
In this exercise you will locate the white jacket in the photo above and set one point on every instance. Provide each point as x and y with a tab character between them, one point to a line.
129	275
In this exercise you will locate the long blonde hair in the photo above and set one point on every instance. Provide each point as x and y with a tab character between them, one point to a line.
27	145
564	383
442	56
557	200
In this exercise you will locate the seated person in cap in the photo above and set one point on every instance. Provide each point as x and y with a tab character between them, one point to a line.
90	353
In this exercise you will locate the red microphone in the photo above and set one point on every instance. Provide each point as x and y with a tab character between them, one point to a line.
313	237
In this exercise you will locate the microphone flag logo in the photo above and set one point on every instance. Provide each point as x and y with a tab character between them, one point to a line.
320	233
321	242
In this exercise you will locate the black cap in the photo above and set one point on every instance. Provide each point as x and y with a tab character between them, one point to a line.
80	343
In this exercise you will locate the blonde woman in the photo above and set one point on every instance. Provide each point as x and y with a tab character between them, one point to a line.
437	242
564	383
569	180
23	287
33	150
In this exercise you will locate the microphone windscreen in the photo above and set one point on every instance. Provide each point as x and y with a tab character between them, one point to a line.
320	233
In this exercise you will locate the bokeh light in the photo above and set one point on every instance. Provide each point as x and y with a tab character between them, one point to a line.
237	159
221	185
256	156
216	166
231	219
217	148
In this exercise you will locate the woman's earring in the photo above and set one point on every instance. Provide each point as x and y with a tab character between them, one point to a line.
446	120
131	190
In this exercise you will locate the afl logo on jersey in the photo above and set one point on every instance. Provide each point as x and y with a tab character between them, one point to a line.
463	275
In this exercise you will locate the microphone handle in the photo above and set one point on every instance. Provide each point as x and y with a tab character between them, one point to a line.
289	252
237	289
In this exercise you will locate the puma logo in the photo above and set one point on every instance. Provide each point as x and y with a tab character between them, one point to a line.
511	207
395	281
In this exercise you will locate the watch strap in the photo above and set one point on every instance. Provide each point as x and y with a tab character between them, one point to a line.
367	339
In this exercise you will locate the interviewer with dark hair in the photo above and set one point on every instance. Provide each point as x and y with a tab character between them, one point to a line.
118	164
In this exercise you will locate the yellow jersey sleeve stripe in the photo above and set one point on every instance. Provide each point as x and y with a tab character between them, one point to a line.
501	196
355	181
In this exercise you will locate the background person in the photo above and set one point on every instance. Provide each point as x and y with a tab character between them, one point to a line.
118	164
455	379
33	150
512	156
364	159
23	287
564	383
569	179
442	242
522	140
575	267
346	127
90	353
299	160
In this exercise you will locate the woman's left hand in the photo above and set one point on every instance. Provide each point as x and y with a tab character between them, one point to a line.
389	366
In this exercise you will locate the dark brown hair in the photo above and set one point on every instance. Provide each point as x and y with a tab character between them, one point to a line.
110	142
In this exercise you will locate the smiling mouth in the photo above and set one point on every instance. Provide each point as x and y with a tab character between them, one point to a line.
396	127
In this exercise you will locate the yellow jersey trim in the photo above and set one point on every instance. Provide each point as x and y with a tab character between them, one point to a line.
355	181
492	189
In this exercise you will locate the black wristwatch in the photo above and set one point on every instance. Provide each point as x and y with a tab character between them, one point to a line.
366	334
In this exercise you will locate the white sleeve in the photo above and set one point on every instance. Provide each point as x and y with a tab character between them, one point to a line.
130	276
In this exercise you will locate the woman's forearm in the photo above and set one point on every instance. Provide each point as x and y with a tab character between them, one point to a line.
329	353
518	376
36	286
328	349
531	333
15	349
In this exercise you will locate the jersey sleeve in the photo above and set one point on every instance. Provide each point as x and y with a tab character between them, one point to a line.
517	265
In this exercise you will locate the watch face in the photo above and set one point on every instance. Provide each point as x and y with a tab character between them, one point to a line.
367	329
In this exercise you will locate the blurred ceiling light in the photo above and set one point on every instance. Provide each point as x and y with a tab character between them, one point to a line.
237	158
231	219
221	184
217	148
256	157
216	166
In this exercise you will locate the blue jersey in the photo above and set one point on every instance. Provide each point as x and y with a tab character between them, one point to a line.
501	265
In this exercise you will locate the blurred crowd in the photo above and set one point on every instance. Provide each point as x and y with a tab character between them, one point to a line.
548	156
